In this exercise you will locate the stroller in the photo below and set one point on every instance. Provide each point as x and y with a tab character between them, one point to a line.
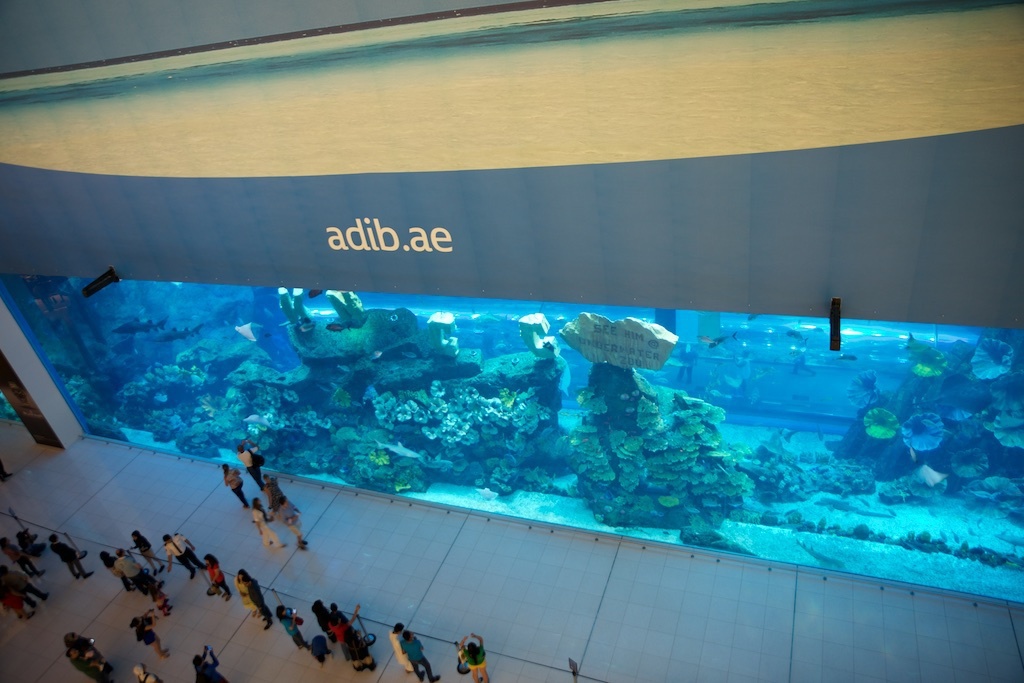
357	645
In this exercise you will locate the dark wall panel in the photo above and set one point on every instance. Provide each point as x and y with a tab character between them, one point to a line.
914	230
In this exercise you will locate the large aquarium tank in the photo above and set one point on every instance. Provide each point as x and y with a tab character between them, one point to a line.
900	456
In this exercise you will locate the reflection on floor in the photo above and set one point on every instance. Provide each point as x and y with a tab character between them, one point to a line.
539	596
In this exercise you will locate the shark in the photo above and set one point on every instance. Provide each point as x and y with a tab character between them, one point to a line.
399	450
836	504
174	334
136	326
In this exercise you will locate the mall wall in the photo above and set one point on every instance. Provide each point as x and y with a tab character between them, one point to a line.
924	230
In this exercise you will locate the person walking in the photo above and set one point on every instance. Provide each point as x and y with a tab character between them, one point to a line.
69	556
290	515
291	622
111	564
144	632
19	583
233	480
475	658
179	547
252	589
250	458
145	548
132	570
396	644
274	493
262	522
216	575
413	649
19	557
206	671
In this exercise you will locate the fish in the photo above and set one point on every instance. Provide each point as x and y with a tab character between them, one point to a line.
930	476
1012	540
376	354
847	356
845	506
753	316
487	494
335	327
174	334
712	343
136	326
410	355
794	334
399	450
913	454
246	331
369	394
439	464
823	560
255	419
313	293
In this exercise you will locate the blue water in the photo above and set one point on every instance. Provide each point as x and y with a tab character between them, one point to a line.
753	437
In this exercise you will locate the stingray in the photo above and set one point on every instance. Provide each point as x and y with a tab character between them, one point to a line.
246	331
930	476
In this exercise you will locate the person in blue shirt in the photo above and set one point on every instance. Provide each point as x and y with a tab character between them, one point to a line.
413	649
206	671
319	649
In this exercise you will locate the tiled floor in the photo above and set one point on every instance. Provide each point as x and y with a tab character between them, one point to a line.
625	611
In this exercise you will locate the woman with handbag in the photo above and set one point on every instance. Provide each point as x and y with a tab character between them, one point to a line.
144	632
217	582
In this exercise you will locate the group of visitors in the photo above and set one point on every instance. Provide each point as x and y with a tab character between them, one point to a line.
279	507
16	591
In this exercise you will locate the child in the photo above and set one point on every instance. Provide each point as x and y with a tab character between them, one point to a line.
163	603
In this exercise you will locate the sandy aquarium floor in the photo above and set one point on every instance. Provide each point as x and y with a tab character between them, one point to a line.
629	611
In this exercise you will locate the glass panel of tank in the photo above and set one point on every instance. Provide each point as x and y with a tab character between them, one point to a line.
900	456
6	411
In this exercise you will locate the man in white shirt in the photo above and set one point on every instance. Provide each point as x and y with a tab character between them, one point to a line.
180	548
247	450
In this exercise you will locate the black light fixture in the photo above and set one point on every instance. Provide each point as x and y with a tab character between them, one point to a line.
108	278
834	338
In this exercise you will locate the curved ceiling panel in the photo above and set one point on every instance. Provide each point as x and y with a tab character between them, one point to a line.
565	86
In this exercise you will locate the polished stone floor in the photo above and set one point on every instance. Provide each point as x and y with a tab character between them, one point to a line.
627	612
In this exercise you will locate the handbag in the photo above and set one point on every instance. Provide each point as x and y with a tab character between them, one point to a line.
214	589
258	460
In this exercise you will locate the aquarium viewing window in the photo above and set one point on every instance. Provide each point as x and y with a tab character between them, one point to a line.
900	456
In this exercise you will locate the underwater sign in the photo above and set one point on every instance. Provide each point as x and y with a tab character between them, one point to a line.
627	343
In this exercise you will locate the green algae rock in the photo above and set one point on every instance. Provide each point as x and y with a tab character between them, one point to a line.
879	423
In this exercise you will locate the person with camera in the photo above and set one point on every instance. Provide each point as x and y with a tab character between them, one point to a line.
144	632
291	621
206	671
